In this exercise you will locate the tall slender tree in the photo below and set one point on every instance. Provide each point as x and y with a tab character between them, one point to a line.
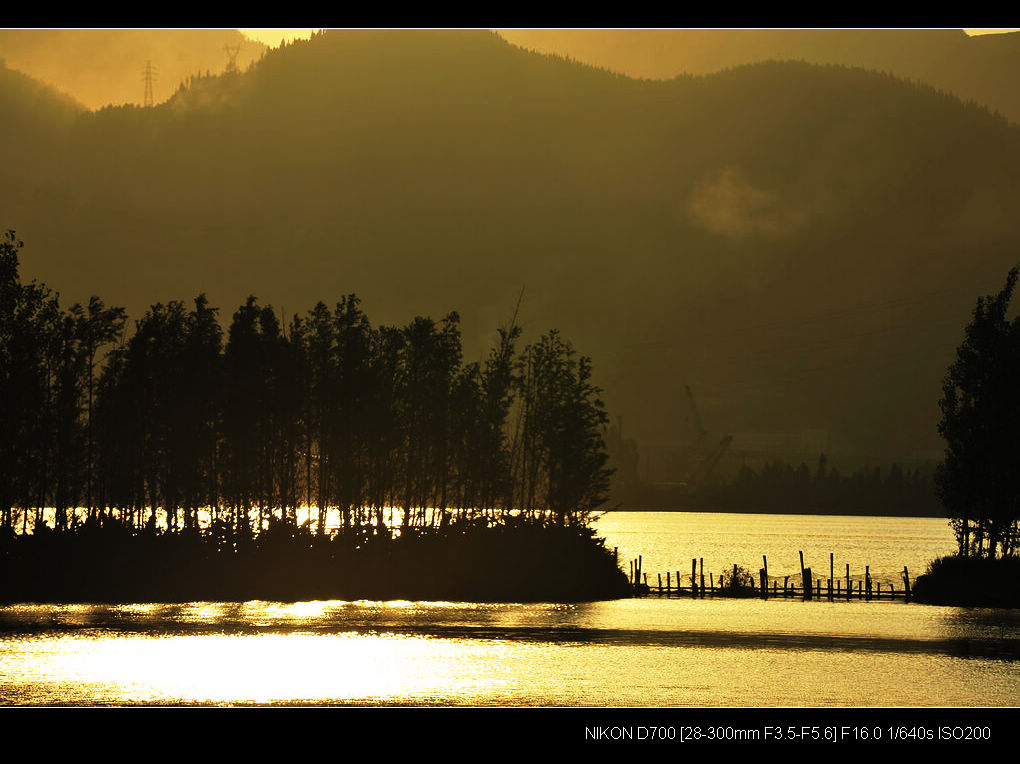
27	315
562	464
98	326
977	481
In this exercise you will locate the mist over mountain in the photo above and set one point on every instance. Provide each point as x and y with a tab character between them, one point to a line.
801	244
983	67
100	67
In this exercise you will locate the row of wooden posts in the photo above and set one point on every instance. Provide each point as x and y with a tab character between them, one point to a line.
810	588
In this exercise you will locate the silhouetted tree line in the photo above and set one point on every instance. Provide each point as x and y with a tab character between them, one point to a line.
48	446
187	429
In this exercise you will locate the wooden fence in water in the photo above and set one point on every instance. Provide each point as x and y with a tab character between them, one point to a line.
742	584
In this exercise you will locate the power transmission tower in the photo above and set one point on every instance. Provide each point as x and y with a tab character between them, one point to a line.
149	75
232	51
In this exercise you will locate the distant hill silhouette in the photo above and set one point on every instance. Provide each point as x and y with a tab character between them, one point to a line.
983	68
100	67
799	243
37	121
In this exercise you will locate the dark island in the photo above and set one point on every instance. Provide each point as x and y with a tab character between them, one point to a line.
514	561
320	459
970	582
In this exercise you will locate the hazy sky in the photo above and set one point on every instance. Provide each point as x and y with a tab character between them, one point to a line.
273	37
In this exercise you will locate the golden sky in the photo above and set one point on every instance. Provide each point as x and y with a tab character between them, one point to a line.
273	37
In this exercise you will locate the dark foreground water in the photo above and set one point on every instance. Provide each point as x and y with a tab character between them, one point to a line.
653	652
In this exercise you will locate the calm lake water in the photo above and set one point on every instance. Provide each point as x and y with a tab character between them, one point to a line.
637	652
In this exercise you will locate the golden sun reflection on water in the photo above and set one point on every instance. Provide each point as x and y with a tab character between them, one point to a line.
630	653
262	669
634	652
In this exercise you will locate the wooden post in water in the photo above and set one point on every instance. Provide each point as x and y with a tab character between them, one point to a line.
801	571
806	584
711	583
667	583
660	583
849	589
832	574
906	584
786	581
678	583
701	565
764	583
867	581
632	573
694	577
639	560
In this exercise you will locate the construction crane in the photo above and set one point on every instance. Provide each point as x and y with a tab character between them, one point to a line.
700	431
711	460
697	447
702	461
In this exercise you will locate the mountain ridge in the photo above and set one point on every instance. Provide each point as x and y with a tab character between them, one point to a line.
979	67
802	244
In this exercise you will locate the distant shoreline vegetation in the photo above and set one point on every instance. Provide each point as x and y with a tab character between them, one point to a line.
780	488
175	464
